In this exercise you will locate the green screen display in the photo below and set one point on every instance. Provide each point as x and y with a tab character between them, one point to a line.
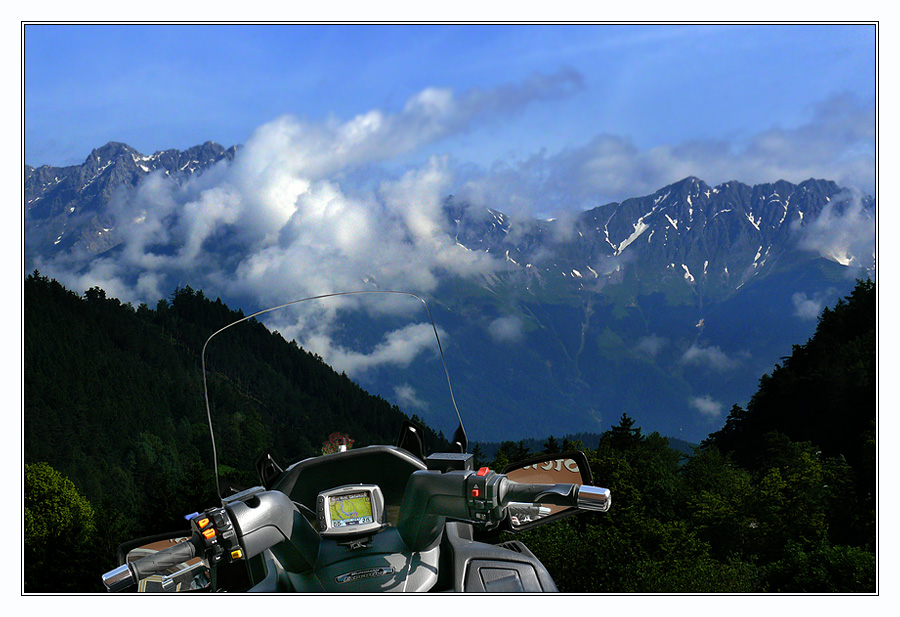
351	509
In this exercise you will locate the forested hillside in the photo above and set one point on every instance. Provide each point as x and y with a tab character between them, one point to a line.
116	445
782	499
114	402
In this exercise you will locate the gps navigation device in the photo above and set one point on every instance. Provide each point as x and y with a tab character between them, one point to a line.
349	510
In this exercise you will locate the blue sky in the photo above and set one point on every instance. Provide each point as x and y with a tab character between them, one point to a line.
353	136
645	104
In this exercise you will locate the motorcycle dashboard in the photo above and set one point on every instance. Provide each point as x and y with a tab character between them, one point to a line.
350	510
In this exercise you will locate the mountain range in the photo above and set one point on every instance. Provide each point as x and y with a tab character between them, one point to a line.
668	307
66	207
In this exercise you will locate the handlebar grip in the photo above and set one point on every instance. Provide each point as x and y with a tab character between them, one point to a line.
161	561
581	496
553	494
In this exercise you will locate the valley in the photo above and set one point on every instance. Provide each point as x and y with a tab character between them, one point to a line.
668	307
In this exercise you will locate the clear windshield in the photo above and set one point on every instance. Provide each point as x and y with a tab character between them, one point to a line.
321	374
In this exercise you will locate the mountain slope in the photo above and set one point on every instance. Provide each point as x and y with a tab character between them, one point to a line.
688	238
127	423
67	208
666	306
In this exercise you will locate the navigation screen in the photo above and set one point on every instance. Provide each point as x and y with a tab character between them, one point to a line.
351	509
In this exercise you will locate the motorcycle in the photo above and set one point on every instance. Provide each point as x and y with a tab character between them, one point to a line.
381	518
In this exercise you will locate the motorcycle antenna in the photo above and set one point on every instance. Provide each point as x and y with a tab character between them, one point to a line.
459	437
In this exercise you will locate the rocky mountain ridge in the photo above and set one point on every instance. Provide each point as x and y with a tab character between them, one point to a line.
668	307
65	207
708	240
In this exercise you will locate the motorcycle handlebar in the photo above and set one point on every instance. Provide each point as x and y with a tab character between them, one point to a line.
482	498
128	574
161	561
581	496
268	518
554	494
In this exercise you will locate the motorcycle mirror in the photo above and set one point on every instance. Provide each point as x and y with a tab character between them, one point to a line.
558	468
459	439
411	440
267	469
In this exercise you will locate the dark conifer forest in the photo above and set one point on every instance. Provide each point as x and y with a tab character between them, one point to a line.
116	446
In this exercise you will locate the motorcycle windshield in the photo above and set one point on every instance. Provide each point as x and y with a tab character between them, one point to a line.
318	375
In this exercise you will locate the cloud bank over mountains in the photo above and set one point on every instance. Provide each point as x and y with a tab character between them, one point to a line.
311	208
836	143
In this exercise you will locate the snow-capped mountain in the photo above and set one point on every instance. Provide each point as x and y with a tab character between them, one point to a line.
711	240
668	307
688	238
67	207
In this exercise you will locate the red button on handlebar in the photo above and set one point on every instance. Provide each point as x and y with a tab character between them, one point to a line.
483	471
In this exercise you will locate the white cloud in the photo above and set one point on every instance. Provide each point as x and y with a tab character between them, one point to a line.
297	212
103	273
311	208
836	143
707	407
506	329
651	345
806	307
844	232
398	348
711	357
407	397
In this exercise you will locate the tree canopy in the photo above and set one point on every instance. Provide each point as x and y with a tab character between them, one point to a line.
781	499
